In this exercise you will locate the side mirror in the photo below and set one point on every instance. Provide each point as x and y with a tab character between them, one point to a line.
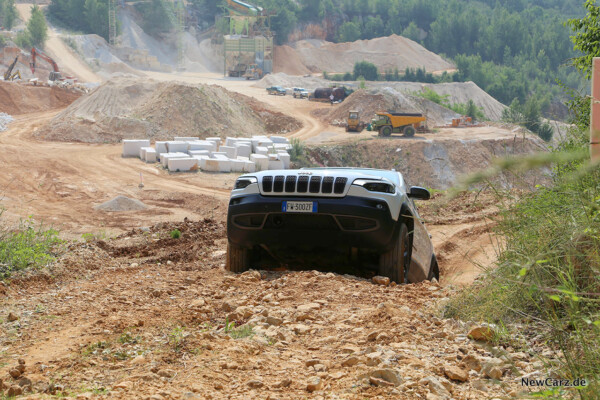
419	193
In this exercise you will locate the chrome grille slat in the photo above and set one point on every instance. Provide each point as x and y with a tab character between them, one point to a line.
278	185
315	184
290	184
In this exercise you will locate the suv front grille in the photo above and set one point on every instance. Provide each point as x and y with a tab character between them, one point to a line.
303	184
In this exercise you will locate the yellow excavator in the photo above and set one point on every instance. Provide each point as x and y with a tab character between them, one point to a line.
9	75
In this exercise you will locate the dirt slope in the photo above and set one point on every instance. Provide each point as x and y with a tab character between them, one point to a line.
127	108
17	98
143	316
386	53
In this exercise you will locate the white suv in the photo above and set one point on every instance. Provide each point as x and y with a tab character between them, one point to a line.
365	214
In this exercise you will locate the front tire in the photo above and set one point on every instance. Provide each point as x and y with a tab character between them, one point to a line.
238	258
395	263
385	131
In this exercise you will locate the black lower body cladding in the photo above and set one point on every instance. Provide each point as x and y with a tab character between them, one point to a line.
339	222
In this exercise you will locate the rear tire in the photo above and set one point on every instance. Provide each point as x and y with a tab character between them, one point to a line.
409	131
395	263
238	258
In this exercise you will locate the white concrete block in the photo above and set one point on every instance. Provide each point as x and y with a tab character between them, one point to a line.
243	158
265	142
143	152
262	150
194	153
230	151
237	165
217	140
161	147
275	164
243	150
217	165
164	158
281	146
150	156
249	166
220	155
285	158
186	138
261	161
273	157
176	146
131	148
279	139
202	145
230	141
182	164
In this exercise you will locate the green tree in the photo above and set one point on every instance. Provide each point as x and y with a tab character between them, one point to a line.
37	28
8	13
587	37
349	32
367	70
412	32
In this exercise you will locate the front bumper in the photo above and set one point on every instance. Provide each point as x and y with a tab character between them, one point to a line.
340	222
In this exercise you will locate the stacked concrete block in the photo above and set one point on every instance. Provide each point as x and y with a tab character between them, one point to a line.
275	164
195	153
220	154
143	152
150	155
230	151
217	165
279	139
282	146
177	146
216	141
249	166
243	149
272	157
237	165
202	145
164	158
285	159
131	148
161	147
261	161
186	138
261	150
182	164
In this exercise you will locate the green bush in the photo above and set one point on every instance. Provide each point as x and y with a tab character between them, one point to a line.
175	234
23	40
297	149
28	246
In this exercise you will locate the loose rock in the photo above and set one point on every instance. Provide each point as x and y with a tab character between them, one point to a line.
12	317
314	383
484	333
456	374
381	280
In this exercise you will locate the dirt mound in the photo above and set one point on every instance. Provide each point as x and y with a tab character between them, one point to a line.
288	61
17	98
129	108
369	102
437	164
387	53
121	203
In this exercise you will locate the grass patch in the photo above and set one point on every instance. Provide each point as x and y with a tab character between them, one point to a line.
238	332
548	274
30	245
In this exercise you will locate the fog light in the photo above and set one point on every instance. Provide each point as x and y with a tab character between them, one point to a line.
380	206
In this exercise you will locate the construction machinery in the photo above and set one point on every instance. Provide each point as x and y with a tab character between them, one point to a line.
238	70
55	75
9	75
391	122
325	94
354	124
253	72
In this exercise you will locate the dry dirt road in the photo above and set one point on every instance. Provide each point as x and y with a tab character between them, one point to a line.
145	316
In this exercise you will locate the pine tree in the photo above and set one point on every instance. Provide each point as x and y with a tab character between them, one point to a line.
38	30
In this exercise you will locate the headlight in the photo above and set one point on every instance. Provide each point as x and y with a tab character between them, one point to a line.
375	186
244	182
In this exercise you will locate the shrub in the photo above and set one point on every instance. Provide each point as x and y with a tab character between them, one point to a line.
28	246
297	149
175	234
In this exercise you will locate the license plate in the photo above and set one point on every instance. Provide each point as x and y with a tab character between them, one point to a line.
299	206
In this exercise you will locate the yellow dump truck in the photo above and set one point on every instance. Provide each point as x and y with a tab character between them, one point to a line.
390	122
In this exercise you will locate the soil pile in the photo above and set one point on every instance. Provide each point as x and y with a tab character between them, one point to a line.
288	61
387	53
367	103
437	164
17	98
128	108
121	203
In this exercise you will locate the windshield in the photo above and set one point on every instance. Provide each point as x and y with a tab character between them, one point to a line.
354	115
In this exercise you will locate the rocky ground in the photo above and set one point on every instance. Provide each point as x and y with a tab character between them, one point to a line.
146	316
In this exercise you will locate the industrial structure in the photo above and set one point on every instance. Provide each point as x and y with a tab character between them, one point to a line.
250	40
